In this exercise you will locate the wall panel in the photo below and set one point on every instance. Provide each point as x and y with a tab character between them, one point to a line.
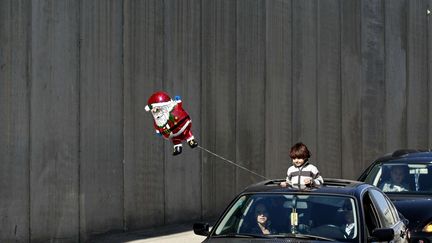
101	123
182	76
250	107
417	86
373	80
218	105
351	86
278	86
328	89
144	151
14	121
304	56
54	124
396	74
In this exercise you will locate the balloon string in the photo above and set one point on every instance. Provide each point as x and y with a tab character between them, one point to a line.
229	161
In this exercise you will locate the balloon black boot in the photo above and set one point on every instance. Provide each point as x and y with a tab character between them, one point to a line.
177	150
192	143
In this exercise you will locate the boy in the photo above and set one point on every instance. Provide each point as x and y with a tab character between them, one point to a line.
301	172
396	183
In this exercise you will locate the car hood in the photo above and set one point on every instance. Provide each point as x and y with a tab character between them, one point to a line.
273	240
415	208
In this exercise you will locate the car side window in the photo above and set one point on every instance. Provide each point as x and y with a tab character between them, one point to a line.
371	215
385	212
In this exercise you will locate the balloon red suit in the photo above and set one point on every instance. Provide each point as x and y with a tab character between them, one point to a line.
170	120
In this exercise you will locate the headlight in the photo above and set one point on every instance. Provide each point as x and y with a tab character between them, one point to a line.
428	228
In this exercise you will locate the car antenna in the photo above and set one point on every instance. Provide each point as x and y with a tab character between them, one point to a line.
231	162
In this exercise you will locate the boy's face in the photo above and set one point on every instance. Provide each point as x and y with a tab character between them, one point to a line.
298	162
397	175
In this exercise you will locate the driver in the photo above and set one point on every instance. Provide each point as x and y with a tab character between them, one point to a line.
396	184
348	227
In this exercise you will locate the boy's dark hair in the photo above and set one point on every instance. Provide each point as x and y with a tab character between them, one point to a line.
299	150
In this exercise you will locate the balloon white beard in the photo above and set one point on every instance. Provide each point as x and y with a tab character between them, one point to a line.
161	117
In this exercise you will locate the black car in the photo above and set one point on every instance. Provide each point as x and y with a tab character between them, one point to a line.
338	211
406	177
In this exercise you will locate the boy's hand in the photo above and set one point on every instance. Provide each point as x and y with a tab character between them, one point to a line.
283	184
308	181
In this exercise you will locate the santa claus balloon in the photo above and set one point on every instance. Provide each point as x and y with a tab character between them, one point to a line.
170	120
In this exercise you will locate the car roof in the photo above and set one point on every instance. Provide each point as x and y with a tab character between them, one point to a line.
330	186
406	156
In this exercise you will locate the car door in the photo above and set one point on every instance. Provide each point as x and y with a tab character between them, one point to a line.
388	216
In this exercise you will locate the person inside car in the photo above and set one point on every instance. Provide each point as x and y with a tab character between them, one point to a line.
302	172
396	182
349	225
257	220
262	225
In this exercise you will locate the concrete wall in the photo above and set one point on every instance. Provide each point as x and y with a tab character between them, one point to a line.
78	153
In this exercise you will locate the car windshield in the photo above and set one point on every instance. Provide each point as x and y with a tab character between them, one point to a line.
402	178
318	217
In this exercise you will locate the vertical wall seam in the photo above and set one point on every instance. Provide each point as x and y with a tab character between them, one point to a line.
29	93
407	58
360	38
124	225
340	90
427	73
201	108
215	59
317	40
163	85
292	72
264	19
236	92
385	145
79	117
428	76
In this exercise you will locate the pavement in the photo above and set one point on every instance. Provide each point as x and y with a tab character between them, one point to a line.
173	233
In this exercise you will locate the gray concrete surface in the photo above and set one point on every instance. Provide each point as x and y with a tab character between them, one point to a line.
173	233
78	154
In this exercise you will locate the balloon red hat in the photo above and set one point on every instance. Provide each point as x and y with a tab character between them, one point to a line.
158	98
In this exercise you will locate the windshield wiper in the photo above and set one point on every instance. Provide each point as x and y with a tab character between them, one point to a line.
303	236
234	235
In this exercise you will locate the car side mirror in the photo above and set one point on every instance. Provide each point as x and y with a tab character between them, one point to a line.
201	229
382	234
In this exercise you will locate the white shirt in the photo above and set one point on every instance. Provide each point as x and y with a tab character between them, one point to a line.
296	175
349	228
389	187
